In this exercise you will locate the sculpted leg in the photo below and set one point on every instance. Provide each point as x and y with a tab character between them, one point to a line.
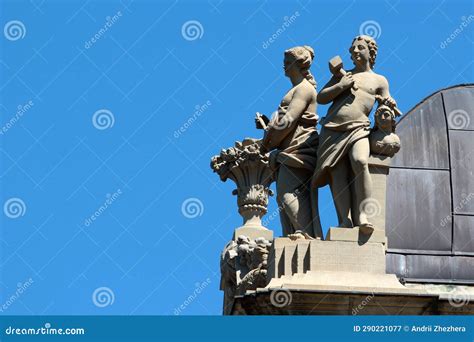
293	193
359	157
317	230
286	226
340	188
281	189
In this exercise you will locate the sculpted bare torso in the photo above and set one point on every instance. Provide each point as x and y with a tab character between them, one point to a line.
356	105
306	91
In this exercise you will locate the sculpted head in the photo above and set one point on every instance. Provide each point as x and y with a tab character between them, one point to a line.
298	61
385	119
363	49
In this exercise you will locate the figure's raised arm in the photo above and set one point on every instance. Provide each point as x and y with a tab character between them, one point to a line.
384	93
334	87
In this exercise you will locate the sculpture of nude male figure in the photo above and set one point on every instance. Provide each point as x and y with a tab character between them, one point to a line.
344	148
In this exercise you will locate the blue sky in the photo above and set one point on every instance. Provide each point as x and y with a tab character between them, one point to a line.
132	168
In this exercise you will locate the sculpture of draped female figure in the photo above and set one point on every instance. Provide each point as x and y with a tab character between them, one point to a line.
292	138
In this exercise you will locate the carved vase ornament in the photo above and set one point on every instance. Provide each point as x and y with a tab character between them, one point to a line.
249	168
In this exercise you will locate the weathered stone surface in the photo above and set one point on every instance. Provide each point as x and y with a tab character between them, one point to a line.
253	232
243	267
288	257
307	302
354	235
343	281
379	169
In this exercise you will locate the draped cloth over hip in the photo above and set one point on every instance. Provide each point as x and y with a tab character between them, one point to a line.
297	144
294	148
335	141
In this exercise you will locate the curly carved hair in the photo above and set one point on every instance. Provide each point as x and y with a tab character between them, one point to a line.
303	56
372	48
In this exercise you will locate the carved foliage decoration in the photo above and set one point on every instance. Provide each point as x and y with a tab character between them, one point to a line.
249	168
244	265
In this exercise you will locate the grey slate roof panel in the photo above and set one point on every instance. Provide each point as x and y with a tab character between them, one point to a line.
418	203
462	170
423	137
463	240
459	106
430	190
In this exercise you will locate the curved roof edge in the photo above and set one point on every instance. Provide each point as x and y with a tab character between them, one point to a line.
462	85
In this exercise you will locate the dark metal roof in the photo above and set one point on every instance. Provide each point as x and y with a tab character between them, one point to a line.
430	190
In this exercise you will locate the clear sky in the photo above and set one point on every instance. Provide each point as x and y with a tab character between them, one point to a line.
98	160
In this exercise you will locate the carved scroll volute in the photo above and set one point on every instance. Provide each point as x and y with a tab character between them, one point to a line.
249	168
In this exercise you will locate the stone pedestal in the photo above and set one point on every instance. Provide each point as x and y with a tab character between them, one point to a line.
342	275
354	235
244	259
379	167
335	264
310	302
298	257
253	232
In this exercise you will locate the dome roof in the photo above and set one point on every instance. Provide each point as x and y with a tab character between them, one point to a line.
430	190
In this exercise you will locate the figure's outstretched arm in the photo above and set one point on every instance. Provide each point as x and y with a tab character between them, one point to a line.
279	129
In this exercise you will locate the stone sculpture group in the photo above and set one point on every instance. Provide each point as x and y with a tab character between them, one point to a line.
301	160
